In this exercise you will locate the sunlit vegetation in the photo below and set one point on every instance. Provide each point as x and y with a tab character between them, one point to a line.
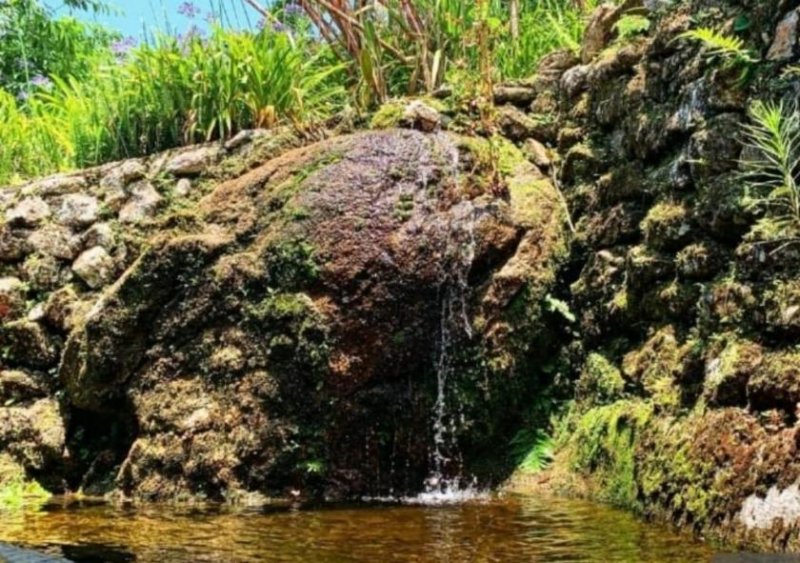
74	94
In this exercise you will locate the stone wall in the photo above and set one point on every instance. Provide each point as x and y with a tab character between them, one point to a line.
686	299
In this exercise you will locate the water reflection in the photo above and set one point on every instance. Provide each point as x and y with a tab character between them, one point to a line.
497	529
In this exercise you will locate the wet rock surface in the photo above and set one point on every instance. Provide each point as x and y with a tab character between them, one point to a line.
287	335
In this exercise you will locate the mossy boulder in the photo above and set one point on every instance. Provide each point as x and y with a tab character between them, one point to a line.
291	337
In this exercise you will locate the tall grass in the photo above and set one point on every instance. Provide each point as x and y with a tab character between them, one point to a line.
176	90
168	93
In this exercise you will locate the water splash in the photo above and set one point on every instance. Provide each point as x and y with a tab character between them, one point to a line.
444	483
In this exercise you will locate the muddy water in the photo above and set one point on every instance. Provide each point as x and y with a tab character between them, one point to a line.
499	529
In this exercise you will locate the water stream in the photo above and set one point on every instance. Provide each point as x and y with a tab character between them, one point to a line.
445	482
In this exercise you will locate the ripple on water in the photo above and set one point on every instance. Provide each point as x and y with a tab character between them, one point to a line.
478	528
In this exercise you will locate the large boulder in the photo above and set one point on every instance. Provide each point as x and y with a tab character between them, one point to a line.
320	314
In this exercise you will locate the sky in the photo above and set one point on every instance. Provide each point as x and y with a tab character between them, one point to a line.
132	16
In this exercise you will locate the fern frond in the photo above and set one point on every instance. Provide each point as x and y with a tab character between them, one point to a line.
773	135
719	44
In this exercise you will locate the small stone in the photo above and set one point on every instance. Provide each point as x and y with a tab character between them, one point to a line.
12	298
100	234
519	95
785	42
183	187
29	212
14	244
18	386
36	314
575	80
144	203
56	241
95	267
193	162
244	137
57	185
78	210
421	116
537	153
62	308
131	170
515	124
28	344
44	273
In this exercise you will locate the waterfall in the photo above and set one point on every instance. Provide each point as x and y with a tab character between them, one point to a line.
445	483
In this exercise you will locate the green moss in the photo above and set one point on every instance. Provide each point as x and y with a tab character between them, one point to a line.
291	264
16	490
656	365
600	382
603	444
666	224
389	115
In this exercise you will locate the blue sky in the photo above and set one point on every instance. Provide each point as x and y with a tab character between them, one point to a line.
132	16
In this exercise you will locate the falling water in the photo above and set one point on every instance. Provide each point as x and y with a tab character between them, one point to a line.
444	483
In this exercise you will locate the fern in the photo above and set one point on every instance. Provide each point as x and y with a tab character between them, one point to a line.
630	26
533	450
729	48
771	172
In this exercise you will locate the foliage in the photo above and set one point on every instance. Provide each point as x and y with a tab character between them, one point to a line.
631	25
167	93
730	49
534	449
34	45
771	170
74	95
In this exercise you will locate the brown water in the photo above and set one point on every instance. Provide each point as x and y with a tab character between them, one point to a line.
499	529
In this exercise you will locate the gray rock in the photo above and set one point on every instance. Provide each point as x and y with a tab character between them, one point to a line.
44	273
515	124
57	185
575	80
12	298
29	212
78	210
14	244
95	267
193	162
517	94
785	42
131	170
183	187
537	153
55	241
421	116
143	204
244	137
100	234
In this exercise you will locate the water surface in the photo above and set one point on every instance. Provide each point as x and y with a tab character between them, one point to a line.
511	528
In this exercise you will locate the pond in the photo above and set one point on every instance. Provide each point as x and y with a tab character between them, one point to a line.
497	528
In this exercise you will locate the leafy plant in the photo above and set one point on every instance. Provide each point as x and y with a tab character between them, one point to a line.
771	170
631	25
533	449
729	48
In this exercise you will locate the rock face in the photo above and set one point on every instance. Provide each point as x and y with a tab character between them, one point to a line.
685	370
292	333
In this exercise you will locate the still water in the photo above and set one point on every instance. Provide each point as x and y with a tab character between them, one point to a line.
511	528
